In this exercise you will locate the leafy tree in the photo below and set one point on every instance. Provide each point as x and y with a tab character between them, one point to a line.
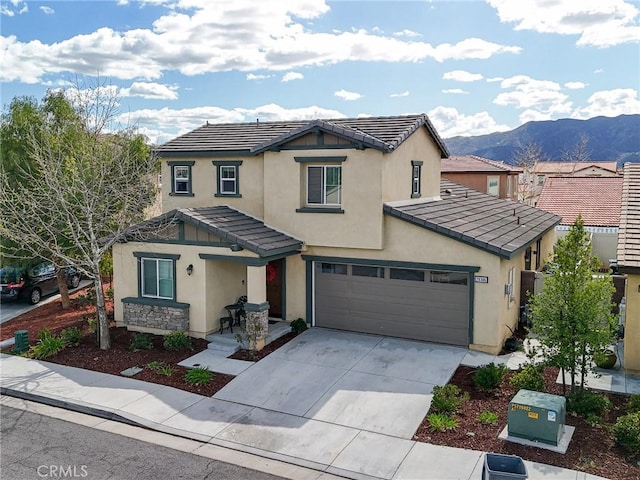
572	314
76	186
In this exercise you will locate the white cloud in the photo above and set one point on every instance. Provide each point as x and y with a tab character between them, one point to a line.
239	35
450	123
598	70
13	7
575	85
407	33
542	96
164	124
287	77
495	79
345	95
47	10
610	103
462	76
253	76
455	91
601	23
150	90
402	94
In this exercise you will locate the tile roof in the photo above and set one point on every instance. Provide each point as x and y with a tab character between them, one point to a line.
473	163
501	227
230	225
629	232
382	133
597	199
567	168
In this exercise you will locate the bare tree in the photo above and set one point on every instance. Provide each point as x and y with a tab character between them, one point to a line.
527	156
83	188
579	153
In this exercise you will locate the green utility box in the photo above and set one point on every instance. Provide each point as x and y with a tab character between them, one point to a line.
537	416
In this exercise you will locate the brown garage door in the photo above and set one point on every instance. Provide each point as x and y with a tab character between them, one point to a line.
429	305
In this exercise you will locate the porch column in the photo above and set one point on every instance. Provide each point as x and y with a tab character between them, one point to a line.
257	307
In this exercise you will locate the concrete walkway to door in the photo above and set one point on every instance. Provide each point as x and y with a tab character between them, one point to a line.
372	383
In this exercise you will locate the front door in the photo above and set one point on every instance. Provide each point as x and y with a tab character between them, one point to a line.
275	274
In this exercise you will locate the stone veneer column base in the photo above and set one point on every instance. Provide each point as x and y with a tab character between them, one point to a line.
257	325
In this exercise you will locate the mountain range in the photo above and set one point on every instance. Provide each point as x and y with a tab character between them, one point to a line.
608	139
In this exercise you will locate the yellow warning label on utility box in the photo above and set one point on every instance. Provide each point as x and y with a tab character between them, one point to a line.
533	415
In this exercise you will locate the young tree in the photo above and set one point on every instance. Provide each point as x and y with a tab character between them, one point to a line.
572	314
81	188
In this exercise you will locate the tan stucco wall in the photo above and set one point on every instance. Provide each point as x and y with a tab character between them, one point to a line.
397	170
204	178
296	288
360	226
632	325
212	285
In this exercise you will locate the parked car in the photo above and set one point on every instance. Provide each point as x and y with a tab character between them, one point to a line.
31	284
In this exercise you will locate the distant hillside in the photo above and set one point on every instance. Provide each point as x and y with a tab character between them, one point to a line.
610	139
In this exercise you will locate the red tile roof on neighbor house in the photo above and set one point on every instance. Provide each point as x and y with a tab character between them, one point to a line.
568	168
597	199
473	163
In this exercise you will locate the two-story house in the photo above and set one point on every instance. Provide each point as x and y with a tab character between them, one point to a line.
482	174
345	223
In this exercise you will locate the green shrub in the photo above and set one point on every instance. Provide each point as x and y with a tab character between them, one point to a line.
71	336
140	341
48	345
440	422
633	405
161	368
92	323
447	399
488	418
298	325
588	404
626	433
198	376
488	377
155	365
177	341
529	378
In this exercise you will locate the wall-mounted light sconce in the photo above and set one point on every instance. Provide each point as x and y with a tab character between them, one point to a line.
235	247
190	269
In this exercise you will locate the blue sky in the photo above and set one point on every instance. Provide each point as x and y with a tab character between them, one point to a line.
474	67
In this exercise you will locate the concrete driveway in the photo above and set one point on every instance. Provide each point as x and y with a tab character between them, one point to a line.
372	383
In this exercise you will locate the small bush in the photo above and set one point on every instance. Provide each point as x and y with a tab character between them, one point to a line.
529	378
440	422
633	405
92	323
48	345
198	376
161	368
140	341
155	365
71	336
177	341
447	399
488	377
588	404
626	433
488	418
298	325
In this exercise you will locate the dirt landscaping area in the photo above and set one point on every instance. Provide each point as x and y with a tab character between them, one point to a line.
592	449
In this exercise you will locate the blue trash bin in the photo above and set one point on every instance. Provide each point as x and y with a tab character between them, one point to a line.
503	467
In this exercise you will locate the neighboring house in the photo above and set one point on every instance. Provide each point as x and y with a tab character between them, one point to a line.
345	223
597	200
486	176
532	179
629	263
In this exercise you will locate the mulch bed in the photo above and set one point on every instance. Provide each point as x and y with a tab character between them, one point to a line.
591	449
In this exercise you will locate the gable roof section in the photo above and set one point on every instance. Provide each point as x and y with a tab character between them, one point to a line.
597	199
473	163
629	234
382	133
567	168
501	227
232	226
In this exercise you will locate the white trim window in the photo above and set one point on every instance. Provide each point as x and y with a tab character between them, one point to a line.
181	178
157	278
493	186
228	180
324	185
416	180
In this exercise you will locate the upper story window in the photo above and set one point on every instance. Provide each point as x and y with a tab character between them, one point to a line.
509	186
416	178
324	185
540	180
493	186
181	183
228	178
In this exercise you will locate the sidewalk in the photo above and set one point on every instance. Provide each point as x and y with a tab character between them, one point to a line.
321	446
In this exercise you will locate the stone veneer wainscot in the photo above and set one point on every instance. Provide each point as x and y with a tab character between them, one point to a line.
169	316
